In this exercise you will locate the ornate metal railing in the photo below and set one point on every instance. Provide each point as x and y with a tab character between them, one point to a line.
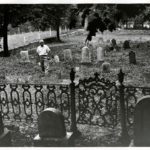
26	101
97	102
93	101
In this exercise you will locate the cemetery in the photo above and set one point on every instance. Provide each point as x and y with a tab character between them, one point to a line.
92	88
86	61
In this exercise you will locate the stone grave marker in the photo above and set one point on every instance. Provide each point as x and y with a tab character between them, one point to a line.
24	56
86	55
142	122
113	43
132	57
100	54
126	44
56	59
52	130
106	67
67	55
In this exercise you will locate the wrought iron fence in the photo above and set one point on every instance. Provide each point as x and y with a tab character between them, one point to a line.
26	101
97	102
93	101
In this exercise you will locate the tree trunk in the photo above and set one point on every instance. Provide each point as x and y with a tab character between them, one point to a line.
58	32
5	29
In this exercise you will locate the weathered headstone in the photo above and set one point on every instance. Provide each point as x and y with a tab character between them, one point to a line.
24	56
126	44
51	123
142	122
100	54
52	130
113	42
106	67
67	55
86	55
56	59
132	57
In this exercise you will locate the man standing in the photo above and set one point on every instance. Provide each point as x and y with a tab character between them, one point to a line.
43	51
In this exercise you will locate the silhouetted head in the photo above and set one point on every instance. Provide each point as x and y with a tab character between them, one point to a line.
41	42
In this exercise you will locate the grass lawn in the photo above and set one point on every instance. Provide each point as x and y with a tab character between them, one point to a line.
15	71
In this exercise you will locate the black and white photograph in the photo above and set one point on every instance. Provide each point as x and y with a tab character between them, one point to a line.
75	75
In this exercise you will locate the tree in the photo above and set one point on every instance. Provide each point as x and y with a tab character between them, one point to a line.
103	17
53	15
11	14
96	19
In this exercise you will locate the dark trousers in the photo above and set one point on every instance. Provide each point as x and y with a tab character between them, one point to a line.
43	59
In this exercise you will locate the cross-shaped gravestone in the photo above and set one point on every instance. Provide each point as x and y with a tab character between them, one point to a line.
142	122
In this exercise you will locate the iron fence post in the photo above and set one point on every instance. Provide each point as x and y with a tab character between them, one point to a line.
1	124
73	105
124	133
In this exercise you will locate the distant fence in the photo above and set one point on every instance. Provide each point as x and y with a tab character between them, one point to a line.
22	39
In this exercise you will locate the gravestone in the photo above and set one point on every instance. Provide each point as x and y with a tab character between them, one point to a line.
106	67
132	57
52	130
56	59
86	55
67	55
142	122
100	54
113	43
126	44
24	56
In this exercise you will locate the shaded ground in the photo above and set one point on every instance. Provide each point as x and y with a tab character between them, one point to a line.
24	133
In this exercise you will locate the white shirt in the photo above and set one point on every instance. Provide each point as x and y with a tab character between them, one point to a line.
43	50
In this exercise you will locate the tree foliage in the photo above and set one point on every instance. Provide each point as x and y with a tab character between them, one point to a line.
97	20
14	15
103	17
47	15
